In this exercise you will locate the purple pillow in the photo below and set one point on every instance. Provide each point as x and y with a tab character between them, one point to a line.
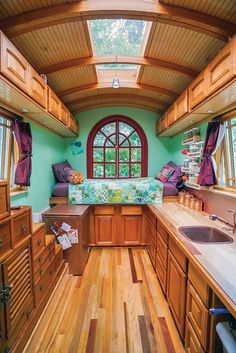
59	172
176	176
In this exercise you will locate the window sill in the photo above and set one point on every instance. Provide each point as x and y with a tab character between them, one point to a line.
18	192
223	192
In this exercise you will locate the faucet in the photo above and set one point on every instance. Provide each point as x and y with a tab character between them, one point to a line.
214	217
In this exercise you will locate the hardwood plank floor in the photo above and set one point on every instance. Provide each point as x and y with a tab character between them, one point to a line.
117	307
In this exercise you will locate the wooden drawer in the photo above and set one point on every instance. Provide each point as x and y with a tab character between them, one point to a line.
199	284
161	274
197	90
37	88
106	210
198	315
42	268
178	254
181	105
222	68
5	236
151	233
131	210
38	241
151	218
162	251
54	104
192	344
41	258
64	114
44	282
50	242
21	227
162	231
13	64
58	256
4	200
152	253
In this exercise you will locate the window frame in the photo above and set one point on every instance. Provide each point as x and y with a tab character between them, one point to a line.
136	127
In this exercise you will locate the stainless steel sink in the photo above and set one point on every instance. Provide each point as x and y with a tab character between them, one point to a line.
201	234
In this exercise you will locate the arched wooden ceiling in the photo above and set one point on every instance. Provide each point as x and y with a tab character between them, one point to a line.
54	36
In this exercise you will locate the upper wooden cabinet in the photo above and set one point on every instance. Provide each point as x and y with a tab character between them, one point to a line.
54	104
222	68
13	64
162	124
197	90
37	88
171	115
181	105
64	115
73	124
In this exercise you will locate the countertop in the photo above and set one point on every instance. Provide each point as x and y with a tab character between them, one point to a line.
217	261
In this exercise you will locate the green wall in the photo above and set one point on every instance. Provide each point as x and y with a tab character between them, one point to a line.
158	149
48	148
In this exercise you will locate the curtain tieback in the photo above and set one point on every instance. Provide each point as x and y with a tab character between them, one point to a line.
26	154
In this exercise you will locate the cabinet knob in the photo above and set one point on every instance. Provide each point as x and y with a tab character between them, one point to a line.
41	287
39	242
40	259
23	228
41	271
1	242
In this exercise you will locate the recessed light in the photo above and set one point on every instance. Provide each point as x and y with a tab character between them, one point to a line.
25	110
210	111
179	129
192	121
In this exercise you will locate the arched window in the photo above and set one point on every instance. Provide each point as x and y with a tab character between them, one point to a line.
117	148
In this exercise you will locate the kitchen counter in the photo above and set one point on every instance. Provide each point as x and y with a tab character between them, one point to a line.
217	262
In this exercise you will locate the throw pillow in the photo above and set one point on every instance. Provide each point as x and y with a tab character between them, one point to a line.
165	173
73	177
59	173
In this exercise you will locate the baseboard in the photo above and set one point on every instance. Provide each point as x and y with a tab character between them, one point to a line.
37	216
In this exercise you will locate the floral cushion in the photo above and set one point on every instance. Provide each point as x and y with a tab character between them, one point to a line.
73	176
165	173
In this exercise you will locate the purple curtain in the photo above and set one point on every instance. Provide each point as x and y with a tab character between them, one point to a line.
207	175
23	137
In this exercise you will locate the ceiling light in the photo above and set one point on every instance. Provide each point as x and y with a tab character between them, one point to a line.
210	111
25	110
115	82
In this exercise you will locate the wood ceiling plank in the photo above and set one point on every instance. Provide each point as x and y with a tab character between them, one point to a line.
88	88
135	60
91	9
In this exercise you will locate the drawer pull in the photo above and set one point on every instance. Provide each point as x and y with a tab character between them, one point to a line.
27	313
23	228
41	271
1	242
39	242
41	287
40	260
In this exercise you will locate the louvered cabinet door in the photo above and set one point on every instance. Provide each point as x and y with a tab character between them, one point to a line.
17	277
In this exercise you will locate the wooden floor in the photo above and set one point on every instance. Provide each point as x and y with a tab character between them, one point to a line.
118	306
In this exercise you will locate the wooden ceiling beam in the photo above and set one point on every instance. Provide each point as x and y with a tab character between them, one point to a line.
134	97
115	104
91	87
134	60
134	9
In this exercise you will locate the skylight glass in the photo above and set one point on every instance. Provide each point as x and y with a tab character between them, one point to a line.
117	37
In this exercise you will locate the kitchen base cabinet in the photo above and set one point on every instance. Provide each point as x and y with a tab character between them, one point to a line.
105	231
176	292
192	344
131	228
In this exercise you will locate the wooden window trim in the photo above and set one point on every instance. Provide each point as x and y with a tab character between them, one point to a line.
90	146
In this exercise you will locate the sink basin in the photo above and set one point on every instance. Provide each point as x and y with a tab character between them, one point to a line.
201	234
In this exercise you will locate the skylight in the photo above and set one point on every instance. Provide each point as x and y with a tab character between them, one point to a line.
117	37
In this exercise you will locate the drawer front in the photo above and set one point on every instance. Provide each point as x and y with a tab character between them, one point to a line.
38	241
59	257
50	242
14	66
161	274
192	344
152	219
178	254
42	269
109	210
41	258
131	210
162	231
44	282
4	202
151	233
199	284
20	227
162	251
5	237
38	88
198	315
152	253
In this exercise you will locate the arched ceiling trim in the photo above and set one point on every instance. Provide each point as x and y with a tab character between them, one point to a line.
116	104
88	88
136	9
136	60
137	97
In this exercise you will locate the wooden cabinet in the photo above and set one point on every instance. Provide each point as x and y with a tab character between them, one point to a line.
13	64
181	105
38	239
73	123
54	104
5	236
197	90
17	278
4	199
64	114
176	292
222	68
21	225
162	124
171	115
105	230
192	344
131	225
37	88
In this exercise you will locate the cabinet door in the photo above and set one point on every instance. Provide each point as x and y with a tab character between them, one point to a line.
38	88
176	292
54	104
13	64
131	230
181	105
192	344
64	114
105	232
18	278
222	68
171	115
197	90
